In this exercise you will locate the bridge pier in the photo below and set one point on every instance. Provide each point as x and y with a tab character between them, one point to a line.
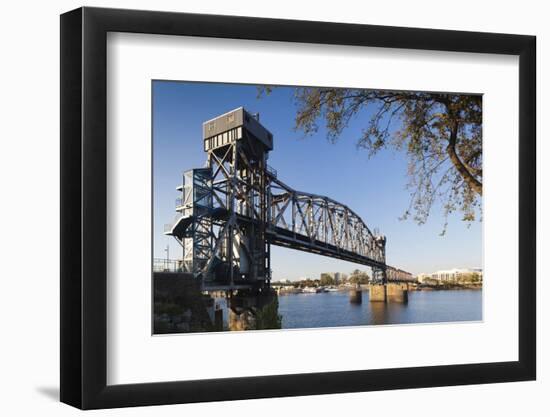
390	292
356	295
377	292
218	319
396	293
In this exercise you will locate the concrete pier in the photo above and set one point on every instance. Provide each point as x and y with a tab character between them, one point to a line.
356	296
377	293
218	319
394	293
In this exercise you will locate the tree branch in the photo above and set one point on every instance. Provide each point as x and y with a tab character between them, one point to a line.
461	168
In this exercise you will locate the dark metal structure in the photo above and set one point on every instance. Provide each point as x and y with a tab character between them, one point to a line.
234	208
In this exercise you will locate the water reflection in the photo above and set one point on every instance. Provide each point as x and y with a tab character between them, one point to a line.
295	311
334	309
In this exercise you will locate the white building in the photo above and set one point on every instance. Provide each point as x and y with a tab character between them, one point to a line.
422	276
452	275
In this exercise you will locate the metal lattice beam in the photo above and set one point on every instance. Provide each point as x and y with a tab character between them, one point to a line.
232	210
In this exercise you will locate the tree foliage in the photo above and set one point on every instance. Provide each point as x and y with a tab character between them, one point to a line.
359	277
268	317
470	278
440	133
326	279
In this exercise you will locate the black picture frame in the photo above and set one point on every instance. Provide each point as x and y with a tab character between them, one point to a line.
84	207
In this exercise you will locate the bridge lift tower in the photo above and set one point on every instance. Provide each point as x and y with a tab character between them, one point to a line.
235	207
222	214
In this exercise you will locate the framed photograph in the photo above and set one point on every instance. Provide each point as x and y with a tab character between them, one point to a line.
256	208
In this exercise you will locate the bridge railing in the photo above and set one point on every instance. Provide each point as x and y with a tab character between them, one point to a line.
166	265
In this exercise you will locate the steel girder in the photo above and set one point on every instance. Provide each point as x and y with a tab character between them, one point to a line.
324	224
235	207
321	225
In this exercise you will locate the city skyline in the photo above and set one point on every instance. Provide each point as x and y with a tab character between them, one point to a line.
374	188
367	270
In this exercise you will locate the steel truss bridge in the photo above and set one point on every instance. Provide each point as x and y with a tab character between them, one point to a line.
234	208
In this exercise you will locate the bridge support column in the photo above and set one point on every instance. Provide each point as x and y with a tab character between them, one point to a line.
391	293
396	293
356	295
218	319
377	292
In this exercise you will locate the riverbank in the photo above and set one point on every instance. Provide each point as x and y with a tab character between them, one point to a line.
290	290
449	287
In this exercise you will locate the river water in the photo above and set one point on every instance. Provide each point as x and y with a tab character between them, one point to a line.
333	309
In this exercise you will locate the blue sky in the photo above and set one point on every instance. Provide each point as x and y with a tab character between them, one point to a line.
374	188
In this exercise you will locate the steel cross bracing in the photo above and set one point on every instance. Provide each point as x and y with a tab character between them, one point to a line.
321	225
318	224
235	207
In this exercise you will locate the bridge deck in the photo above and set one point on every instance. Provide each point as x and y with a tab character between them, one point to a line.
286	238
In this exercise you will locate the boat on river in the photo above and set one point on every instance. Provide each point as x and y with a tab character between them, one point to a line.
312	290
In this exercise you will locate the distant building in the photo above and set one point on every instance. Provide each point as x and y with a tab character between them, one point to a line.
422	276
454	275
